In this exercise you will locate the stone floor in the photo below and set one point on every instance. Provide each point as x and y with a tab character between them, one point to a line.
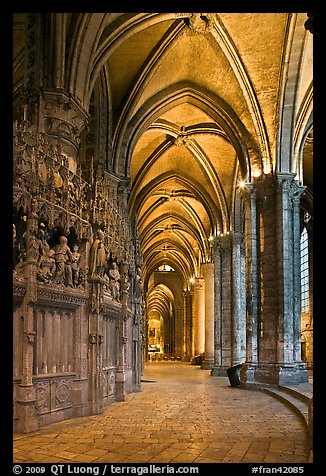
183	415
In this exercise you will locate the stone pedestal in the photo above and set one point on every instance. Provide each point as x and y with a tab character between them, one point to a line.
261	374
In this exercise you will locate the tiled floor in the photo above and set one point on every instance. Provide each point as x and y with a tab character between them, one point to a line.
183	415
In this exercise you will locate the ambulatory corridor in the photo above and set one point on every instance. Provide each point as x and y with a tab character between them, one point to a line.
182	415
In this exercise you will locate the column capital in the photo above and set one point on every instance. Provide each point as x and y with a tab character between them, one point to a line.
223	242
60	102
287	183
198	284
285	180
285	176
186	293
247	191
297	191
237	238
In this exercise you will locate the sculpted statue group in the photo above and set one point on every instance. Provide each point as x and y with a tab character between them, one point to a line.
60	265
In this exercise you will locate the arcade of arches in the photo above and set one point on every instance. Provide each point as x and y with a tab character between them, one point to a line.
162	202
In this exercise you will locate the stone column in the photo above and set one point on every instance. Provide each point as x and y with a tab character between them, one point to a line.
198	317
224	287
121	393
65	341
53	354
272	233
178	334
208	272
289	369
218	310
187	326
26	396
137	328
57	341
248	369
39	342
95	348
48	340
70	341
238	331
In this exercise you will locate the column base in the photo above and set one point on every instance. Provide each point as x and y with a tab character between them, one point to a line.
26	409
273	374
208	364
220	371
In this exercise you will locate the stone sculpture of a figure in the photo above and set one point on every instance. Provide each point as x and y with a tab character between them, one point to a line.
114	280
75	260
42	242
46	266
98	256
138	289
63	274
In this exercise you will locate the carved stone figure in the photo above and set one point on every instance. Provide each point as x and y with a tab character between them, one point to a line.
63	273
42	243
33	247
98	256
114	280
106	287
46	267
75	259
138	289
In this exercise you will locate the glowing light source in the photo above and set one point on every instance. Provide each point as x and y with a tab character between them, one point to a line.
242	184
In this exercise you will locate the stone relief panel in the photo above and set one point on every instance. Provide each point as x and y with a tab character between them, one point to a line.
109	347
63	394
43	398
53	394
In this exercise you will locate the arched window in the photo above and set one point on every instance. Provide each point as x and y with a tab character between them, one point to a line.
304	271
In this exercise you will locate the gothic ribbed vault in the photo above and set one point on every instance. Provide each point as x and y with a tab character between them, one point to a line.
181	145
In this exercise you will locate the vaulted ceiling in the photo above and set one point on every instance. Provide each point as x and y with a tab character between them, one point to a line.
194	103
